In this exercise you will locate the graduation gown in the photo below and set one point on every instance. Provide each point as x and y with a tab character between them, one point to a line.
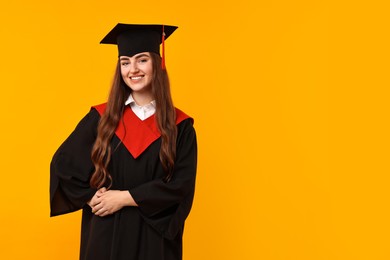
154	229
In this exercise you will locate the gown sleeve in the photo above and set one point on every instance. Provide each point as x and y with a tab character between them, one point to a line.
165	206
71	167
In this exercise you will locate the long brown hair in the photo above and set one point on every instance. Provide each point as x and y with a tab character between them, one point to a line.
165	117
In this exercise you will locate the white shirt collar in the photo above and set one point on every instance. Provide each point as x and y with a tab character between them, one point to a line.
142	112
130	100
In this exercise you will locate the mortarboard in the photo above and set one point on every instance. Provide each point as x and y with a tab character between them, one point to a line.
135	38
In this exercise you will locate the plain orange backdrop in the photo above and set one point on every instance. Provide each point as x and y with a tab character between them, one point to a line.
291	108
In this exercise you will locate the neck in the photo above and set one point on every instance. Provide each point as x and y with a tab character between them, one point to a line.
142	98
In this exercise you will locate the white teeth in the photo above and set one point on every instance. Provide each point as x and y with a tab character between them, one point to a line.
136	78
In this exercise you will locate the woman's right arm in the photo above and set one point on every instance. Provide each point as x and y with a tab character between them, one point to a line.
71	167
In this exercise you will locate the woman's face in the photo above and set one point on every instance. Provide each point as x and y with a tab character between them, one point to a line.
137	72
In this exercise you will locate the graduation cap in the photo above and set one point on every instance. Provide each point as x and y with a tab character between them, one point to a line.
135	38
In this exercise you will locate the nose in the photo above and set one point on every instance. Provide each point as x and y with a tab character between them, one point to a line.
133	67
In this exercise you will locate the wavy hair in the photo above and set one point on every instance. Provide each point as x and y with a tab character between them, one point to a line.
165	117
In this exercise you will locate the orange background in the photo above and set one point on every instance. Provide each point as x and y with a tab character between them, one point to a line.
291	107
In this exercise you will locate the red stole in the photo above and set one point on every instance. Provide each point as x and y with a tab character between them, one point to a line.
136	134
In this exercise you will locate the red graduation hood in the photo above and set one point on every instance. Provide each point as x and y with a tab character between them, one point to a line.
136	134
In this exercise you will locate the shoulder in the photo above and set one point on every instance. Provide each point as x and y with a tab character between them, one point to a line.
185	126
84	133
89	122
100	108
181	116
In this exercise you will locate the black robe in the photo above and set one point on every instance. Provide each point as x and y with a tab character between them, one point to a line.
151	231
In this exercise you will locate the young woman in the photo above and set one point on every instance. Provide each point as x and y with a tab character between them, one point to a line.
130	164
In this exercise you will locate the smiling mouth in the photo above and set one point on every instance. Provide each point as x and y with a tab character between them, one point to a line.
136	77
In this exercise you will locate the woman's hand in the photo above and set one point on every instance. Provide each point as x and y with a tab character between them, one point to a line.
106	202
93	202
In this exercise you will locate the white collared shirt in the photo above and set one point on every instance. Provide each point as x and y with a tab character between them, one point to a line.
142	112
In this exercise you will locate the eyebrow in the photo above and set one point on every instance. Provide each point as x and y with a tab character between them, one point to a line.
141	55
136	56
